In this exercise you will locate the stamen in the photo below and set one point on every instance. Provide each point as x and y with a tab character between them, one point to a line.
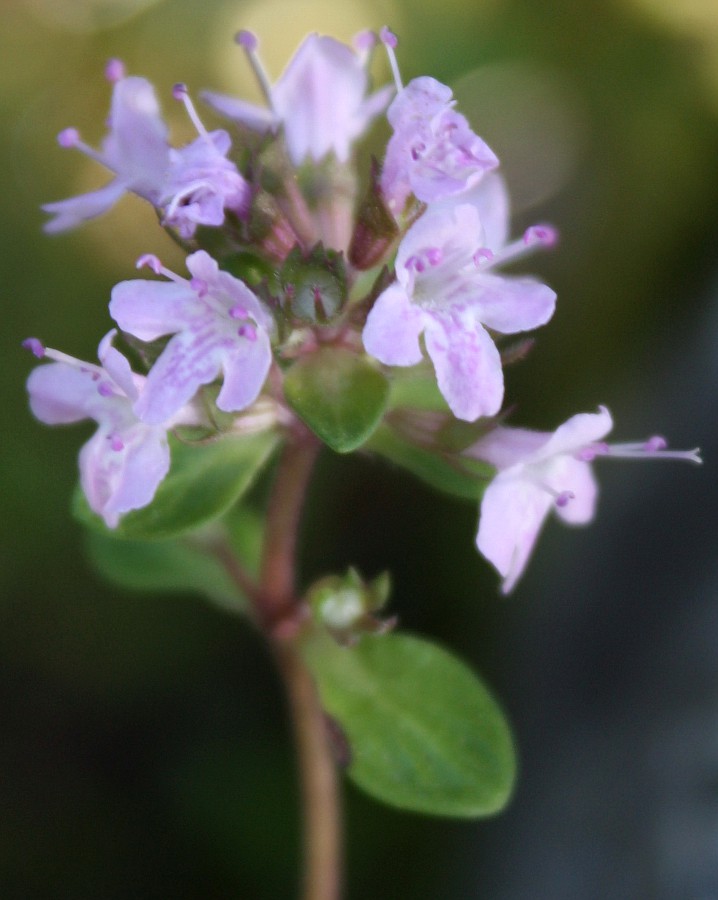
35	346
116	442
247	40
482	255
238	312
114	70
655	447
534	237
247	331
390	41
433	255
200	286
151	261
180	92
540	234
104	389
561	498
591	451
69	137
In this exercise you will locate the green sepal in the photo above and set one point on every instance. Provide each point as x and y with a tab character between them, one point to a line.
339	395
376	229
203	483
346	605
422	732
461	477
314	284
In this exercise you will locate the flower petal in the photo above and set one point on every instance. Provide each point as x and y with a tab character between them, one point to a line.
192	358
60	394
146	462
392	329
72	212
512	513
257	118
150	309
571	475
577	432
245	372
467	363
137	147
509	305
118	480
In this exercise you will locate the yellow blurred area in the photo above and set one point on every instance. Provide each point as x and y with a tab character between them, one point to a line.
85	15
696	20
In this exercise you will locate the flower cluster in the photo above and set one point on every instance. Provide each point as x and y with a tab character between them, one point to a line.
314	279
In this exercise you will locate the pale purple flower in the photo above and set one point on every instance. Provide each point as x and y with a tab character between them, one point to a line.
433	153
446	289
320	99
219	326
190	186
125	460
541	472
201	182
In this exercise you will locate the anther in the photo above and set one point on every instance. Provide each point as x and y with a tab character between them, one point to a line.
540	234
238	312
69	137
151	261
246	39
564	498
200	286
247	331
35	346
114	70
483	255
655	443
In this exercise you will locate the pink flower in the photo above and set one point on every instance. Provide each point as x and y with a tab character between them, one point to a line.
433	153
541	472
446	289
125	460
319	99
218	326
190	186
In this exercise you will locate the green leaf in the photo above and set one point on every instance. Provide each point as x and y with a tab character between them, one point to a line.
462	478
415	387
191	564
423	732
340	396
203	482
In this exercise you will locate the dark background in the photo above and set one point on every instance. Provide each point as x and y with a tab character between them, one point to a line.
144	751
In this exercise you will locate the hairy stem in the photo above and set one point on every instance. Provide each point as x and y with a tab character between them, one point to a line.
280	614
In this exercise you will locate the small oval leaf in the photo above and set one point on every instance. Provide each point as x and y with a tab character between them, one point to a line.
423	732
339	395
192	564
203	482
462	477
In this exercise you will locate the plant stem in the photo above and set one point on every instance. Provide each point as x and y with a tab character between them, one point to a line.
320	789
280	614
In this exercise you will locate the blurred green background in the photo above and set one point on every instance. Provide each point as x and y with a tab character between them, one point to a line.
144	750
